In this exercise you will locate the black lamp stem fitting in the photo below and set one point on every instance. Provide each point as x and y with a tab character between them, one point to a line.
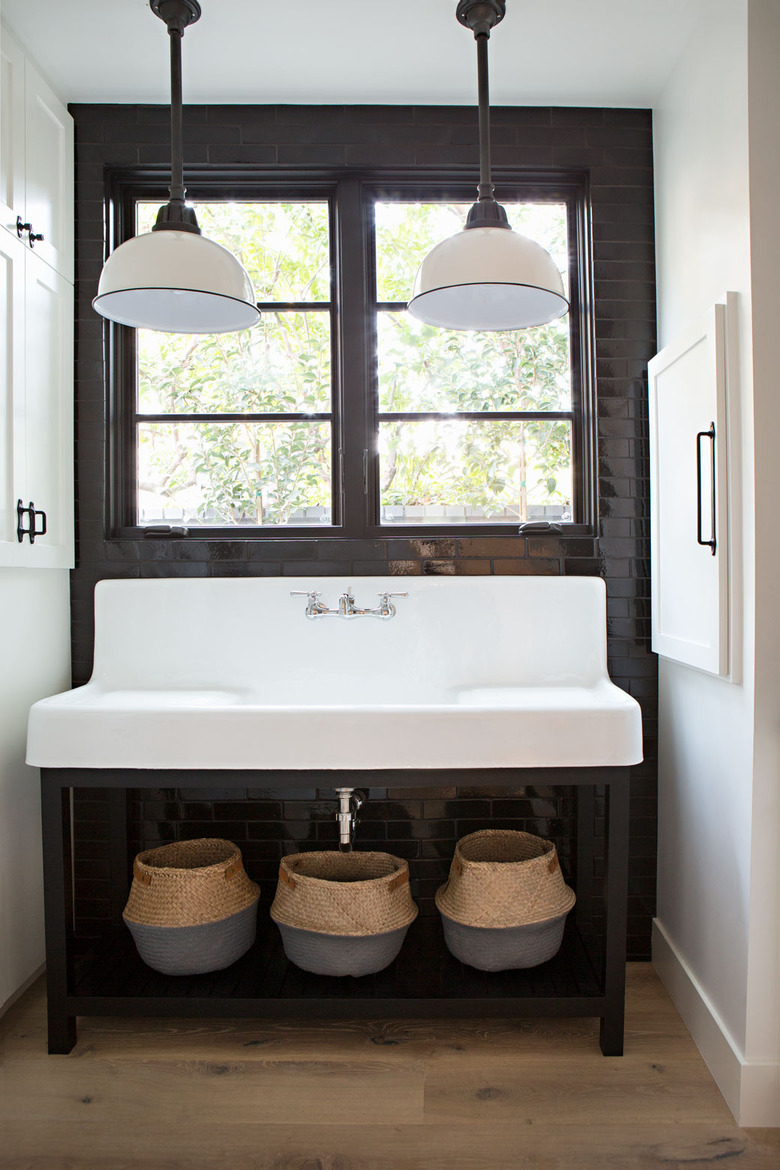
481	15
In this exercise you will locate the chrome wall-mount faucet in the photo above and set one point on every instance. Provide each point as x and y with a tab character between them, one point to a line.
346	607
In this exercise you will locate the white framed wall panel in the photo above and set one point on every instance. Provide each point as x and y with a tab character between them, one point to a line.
689	449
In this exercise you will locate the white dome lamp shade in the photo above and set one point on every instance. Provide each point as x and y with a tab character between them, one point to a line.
172	279
487	276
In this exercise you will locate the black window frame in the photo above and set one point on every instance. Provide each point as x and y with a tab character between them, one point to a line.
353	335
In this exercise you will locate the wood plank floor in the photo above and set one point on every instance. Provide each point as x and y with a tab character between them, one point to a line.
387	1095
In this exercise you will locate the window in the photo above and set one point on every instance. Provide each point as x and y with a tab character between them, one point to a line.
339	414
237	428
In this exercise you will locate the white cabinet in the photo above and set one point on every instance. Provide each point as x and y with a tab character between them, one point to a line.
36	159
36	408
690	382
12	121
12	270
36	317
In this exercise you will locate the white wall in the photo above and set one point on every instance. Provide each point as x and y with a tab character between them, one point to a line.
34	662
763	1001
716	943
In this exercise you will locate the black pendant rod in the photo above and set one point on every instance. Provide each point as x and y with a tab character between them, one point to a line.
177	190
177	15
481	16
486	187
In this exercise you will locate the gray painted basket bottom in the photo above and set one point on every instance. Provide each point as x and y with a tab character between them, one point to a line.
504	948
195	950
339	954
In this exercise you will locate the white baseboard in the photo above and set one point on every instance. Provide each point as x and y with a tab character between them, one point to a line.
751	1090
21	990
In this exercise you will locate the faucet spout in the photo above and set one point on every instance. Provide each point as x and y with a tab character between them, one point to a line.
347	605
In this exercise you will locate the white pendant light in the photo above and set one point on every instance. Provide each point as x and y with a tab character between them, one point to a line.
172	278
487	276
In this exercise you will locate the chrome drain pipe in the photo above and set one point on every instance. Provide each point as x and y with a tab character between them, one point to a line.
350	801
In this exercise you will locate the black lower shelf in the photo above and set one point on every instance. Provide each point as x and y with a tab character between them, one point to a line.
424	979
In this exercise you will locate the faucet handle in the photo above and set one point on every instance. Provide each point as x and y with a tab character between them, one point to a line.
314	607
386	608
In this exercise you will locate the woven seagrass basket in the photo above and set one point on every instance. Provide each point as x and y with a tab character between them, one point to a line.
505	902
343	913
192	908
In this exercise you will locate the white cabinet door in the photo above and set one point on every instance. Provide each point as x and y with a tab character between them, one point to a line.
12	120
49	205
36	408
689	497
13	261
48	413
36	159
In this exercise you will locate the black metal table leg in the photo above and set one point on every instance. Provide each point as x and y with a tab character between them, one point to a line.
586	827
58	911
613	1020
120	864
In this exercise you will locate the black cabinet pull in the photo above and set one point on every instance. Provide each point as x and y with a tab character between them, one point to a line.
711	543
32	530
32	236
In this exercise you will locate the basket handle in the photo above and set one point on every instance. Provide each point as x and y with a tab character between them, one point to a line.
396	882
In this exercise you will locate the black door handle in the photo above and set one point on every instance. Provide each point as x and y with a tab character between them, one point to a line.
32	530
31	239
711	543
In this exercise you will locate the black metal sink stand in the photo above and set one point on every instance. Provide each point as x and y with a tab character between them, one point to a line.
425	981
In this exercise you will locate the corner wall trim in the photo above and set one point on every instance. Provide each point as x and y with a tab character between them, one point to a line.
9	1003
751	1090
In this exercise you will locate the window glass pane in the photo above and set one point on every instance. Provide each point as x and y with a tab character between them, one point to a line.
458	471
283	246
282	365
423	368
406	232
234	473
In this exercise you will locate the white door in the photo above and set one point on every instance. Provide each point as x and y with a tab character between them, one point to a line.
48	415
12	123
12	268
49	173
689	497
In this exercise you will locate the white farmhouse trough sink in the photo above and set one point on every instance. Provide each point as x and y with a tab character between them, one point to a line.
470	672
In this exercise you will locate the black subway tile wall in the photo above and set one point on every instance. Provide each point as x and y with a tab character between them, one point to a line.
615	148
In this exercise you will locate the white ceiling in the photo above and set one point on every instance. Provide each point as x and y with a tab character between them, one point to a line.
558	52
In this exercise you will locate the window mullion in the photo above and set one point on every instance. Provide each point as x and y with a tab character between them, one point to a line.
353	332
